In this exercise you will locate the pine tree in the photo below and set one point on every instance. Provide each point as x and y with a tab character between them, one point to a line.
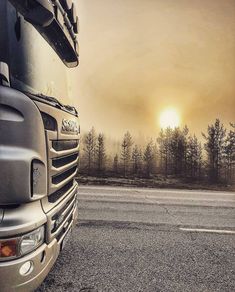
136	159
126	152
194	157
229	154
164	141
160	141
89	149
199	160
149	158
214	146
155	158
115	164
185	143
100	154
178	149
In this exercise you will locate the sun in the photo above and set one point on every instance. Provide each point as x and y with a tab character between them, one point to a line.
169	118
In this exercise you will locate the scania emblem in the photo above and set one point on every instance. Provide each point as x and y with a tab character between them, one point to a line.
70	126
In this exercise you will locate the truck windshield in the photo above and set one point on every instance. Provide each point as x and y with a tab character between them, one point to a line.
34	66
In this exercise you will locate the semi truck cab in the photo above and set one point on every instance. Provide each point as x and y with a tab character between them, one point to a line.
39	138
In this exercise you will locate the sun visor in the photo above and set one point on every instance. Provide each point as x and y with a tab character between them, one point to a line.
57	22
61	40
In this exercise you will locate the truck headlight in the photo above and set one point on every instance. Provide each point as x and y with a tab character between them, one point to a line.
31	240
19	246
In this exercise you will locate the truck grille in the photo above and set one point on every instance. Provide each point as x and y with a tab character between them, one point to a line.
61	145
63	176
63	215
60	161
63	163
60	205
61	233
56	195
60	218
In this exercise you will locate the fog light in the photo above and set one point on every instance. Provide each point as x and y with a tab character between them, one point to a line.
26	268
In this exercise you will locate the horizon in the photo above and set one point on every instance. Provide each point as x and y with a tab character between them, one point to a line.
113	144
227	126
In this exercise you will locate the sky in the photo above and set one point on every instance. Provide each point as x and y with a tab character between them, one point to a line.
138	58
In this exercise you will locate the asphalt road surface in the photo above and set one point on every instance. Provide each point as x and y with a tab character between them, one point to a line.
132	239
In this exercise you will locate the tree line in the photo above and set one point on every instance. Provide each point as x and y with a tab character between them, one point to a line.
174	152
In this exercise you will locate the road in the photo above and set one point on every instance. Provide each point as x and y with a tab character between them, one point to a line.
132	239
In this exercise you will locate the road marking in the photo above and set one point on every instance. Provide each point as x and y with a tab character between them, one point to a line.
219	231
158	190
146	197
190	199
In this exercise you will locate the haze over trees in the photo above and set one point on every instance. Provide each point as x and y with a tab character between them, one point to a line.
172	153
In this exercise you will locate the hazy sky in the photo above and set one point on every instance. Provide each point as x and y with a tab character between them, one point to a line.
138	57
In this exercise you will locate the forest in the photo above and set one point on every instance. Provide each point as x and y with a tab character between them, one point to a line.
173	153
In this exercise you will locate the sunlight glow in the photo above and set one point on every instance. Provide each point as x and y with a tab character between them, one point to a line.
169	118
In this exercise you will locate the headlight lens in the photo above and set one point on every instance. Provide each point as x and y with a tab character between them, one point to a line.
31	240
19	246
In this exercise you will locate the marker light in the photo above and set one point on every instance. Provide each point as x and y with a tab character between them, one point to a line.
8	248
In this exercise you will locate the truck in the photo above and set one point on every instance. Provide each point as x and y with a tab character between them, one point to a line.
39	138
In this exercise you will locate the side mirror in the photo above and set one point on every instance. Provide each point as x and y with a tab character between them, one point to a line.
37	12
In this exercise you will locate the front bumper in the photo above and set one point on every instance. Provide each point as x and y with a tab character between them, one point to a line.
43	259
